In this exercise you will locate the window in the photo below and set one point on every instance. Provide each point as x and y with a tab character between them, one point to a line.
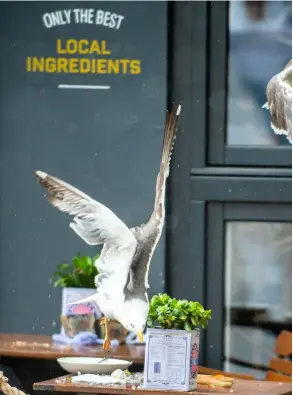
260	47
258	291
228	188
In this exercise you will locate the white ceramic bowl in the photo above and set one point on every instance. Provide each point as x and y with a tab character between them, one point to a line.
92	365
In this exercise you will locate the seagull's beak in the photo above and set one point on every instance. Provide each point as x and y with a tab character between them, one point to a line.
140	336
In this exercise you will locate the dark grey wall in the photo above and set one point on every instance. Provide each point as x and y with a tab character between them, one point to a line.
107	143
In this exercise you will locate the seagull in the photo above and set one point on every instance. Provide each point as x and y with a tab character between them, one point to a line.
279	96
125	258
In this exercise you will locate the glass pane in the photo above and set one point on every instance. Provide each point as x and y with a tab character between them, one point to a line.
260	47
258	284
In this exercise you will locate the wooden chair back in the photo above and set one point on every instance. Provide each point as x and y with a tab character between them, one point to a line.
280	367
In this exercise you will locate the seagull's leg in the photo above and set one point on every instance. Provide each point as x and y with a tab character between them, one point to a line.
107	342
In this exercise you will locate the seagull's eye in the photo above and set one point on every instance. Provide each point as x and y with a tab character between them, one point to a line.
131	326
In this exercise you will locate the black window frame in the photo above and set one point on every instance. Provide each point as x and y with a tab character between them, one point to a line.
207	176
218	214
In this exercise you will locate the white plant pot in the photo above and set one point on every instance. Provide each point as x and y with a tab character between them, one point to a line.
171	359
70	295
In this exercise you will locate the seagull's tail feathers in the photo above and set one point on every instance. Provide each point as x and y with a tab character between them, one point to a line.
171	125
92	298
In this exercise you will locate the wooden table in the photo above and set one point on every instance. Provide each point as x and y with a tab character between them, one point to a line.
240	387
30	358
42	347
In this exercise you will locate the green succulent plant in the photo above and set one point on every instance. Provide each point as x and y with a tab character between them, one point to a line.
80	273
168	313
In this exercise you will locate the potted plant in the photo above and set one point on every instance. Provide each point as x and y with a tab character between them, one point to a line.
172	343
77	280
80	273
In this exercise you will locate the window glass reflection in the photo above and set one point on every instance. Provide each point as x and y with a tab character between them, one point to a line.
260	47
258	286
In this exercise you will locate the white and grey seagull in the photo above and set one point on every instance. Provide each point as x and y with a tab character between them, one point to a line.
279	96
125	258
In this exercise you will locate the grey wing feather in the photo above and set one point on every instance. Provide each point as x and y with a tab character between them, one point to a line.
95	224
148	235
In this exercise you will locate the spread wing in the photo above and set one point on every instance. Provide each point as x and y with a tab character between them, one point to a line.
95	224
149	234
279	96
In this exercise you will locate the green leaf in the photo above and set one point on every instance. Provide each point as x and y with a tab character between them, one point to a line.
80	262
63	266
187	327
194	321
59	283
149	322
